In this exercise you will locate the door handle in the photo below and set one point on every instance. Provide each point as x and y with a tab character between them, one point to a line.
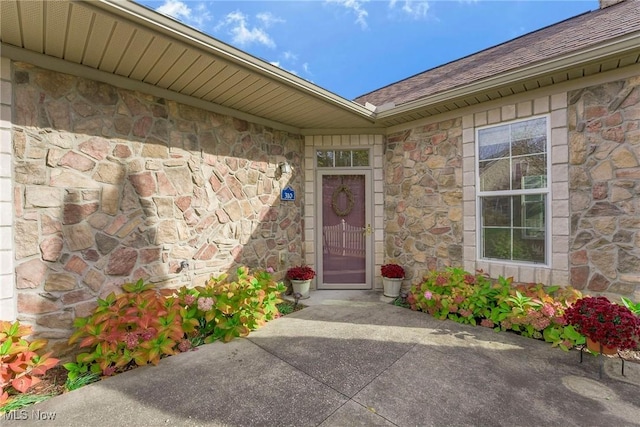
368	230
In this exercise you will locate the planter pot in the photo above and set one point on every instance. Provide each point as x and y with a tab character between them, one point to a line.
301	287
595	347
392	286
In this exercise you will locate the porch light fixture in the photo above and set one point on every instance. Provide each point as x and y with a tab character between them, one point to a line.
284	167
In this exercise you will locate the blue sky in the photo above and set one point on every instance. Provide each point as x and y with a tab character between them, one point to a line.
351	47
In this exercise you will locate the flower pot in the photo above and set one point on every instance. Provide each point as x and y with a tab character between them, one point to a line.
301	287
392	286
595	347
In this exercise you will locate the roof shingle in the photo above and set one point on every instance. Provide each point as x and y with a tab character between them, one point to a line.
580	32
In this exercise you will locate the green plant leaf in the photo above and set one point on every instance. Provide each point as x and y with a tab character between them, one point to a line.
13	330
6	346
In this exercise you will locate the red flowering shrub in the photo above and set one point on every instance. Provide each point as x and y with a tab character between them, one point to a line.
392	271
611	324
144	324
21	361
301	273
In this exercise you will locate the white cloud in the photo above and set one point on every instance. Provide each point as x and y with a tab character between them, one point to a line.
175	8
268	19
180	10
306	68
357	8
414	9
203	13
290	56
237	22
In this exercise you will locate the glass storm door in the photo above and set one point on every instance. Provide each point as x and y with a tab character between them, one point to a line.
344	233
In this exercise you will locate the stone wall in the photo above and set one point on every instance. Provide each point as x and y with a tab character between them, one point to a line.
604	139
112	185
423	198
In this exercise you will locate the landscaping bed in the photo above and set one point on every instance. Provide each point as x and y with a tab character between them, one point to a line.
55	380
143	324
561	316
137	327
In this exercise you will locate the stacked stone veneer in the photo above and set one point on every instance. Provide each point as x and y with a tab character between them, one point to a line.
423	198
604	137
112	185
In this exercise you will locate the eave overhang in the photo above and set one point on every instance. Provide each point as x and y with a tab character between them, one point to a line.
131	46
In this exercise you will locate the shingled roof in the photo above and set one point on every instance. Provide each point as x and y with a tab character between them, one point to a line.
580	32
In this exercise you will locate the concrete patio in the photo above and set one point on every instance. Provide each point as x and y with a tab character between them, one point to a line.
350	358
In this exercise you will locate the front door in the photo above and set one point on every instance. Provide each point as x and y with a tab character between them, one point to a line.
344	236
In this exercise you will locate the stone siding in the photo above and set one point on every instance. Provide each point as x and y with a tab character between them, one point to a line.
423	198
112	185
604	138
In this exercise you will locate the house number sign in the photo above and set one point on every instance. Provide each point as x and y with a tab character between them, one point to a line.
288	194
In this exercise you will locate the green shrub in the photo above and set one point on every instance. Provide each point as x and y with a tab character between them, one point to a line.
456	295
531	310
223	310
142	325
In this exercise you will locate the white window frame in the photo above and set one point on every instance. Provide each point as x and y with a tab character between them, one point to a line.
350	149
546	191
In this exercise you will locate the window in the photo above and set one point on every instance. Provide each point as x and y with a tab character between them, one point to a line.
342	158
513	191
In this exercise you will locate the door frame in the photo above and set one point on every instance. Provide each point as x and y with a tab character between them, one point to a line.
368	213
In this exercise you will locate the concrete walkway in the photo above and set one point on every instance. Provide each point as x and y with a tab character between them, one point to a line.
352	359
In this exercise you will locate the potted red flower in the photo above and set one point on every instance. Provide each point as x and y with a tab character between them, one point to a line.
300	278
603	322
392	276
392	271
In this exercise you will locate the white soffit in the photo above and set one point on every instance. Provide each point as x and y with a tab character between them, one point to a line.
128	40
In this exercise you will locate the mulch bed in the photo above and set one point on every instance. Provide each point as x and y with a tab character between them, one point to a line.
52	382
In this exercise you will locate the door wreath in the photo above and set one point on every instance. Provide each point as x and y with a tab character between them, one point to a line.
334	200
